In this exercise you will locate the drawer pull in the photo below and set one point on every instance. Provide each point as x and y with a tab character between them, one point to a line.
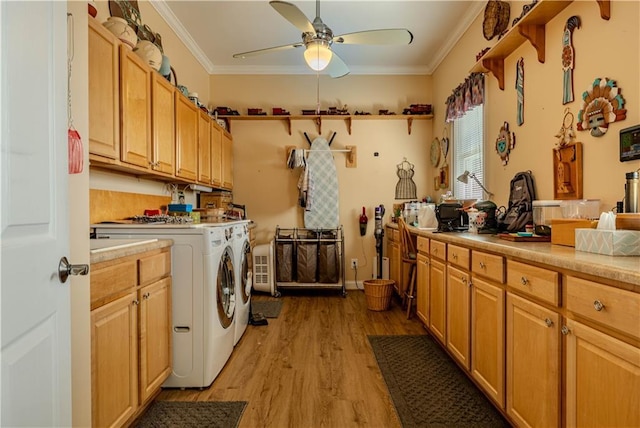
454	256
524	280
146	295
463	279
136	302
597	305
565	330
482	265
548	322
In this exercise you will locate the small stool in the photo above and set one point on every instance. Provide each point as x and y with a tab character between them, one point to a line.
409	256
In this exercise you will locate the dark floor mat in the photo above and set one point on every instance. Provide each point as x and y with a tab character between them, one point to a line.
427	388
268	308
192	414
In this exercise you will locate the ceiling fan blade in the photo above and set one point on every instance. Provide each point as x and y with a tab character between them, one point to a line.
268	50
337	67
393	36
294	15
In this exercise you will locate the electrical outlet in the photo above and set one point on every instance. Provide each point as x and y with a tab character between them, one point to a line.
354	263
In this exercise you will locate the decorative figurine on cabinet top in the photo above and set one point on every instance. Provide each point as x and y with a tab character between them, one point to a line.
601	105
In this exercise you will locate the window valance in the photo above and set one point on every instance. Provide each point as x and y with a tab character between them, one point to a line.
466	96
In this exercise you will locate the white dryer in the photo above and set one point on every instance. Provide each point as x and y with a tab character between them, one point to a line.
203	296
244	273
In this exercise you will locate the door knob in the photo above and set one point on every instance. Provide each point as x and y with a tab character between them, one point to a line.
65	269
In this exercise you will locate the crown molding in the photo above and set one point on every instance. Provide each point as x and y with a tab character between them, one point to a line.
167	14
354	70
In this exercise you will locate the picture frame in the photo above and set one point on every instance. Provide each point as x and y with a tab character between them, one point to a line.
436	182
567	167
444	177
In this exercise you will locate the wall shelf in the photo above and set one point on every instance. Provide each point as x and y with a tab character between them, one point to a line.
348	119
532	28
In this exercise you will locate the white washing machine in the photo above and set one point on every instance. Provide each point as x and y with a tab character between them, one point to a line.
203	296
244	273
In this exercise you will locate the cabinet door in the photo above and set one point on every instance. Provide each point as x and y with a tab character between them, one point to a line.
104	92
395	265
533	364
163	125
487	338
204	148
186	138
458	314
227	161
437	300
135	99
114	362
155	336
603	379
422	302
216	154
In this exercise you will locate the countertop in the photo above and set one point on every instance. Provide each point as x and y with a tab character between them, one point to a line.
105	249
623	269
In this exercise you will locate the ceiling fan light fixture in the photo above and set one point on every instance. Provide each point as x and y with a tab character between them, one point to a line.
318	55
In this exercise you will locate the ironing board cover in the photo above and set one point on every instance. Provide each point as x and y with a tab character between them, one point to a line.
322	170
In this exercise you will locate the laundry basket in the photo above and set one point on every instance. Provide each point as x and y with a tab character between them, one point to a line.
378	293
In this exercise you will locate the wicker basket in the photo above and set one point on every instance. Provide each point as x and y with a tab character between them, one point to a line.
378	293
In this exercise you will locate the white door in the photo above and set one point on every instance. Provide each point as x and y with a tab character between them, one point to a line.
35	311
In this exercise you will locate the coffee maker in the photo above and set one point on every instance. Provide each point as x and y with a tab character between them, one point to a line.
451	217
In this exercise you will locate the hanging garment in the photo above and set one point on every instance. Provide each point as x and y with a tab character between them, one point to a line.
322	189
406	188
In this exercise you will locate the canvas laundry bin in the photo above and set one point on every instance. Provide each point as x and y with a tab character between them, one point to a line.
378	293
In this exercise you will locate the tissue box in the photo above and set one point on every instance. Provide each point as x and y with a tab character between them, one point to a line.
608	242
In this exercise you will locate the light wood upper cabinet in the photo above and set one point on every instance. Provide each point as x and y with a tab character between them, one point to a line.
533	363
104	90
422	299
602	379
458	314
437	300
227	161
163	125
216	154
135	101
186	138
487	338
114	362
204	148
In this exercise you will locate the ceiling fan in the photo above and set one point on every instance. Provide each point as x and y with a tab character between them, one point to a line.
317	39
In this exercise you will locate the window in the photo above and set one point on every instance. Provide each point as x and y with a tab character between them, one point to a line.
468	132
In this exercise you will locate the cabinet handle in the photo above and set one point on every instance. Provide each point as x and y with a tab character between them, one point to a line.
524	280
598	306
482	265
463	279
454	256
136	302
548	322
146	295
565	330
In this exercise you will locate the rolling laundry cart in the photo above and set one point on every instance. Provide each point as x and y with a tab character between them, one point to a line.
310	258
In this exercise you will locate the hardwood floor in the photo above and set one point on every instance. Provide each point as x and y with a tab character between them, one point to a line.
312	366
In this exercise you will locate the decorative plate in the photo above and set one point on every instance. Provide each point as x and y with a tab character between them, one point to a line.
435	152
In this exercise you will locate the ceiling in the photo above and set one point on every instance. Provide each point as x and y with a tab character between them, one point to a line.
214	30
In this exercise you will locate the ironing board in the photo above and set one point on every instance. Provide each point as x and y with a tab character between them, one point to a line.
322	171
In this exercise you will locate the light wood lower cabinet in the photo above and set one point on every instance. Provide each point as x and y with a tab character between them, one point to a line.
487	339
114	362
130	334
458	315
437	300
533	363
422	299
602	379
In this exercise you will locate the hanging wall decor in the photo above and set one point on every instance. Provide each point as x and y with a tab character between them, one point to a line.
406	187
568	58
567	167
435	152
601	105
566	134
444	142
505	142
520	91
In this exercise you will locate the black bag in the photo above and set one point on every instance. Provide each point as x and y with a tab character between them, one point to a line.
520	210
